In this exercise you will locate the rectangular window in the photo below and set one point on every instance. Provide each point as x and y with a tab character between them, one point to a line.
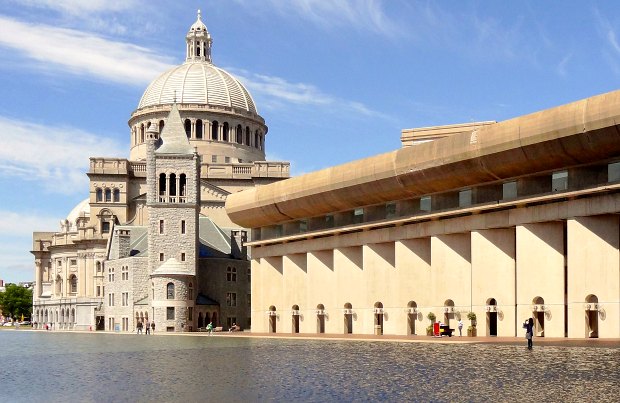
425	203
170	313
214	158
231	274
559	181
390	210
227	160
509	190
161	226
358	215
182	257
465	198
73	262
125	324
182	226
161	257
105	227
231	299
613	172
125	299
190	313
111	299
98	290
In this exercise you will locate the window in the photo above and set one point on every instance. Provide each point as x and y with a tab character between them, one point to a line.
73	283
99	193
108	195
98	264
198	129
110	275
117	195
225	132
509	190
73	262
214	130
425	203
227	160
559	181
188	128
125	273
231	299
98	290
125	324
358	215
182	226
182	257
161	226
231	274
214	159
170	291
239	135
105	227
161	257
190	292
111	299
613	172
465	198
190	313
390	210
125	301
170	313
249	275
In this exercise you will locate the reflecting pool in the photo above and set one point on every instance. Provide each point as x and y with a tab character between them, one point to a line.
54	367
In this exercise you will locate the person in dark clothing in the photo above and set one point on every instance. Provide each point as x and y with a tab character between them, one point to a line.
529	332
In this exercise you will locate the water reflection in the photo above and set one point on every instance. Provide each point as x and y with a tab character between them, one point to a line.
37	366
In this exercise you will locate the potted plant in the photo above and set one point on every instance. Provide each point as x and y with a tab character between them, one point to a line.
471	330
429	330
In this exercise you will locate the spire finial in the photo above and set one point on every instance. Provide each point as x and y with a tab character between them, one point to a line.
199	14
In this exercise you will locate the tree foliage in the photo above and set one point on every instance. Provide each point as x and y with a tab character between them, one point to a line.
16	301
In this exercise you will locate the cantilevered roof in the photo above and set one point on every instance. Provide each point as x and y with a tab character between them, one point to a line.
581	132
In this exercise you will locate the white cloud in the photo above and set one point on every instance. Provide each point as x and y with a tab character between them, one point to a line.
279	92
22	224
363	15
81	7
82	53
57	156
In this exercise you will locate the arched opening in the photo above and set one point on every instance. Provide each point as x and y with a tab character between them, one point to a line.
58	285
183	188
214	130
173	188
161	126
99	195
592	309
108	195
412	315
170	291
198	49
117	196
348	318
247	135
320	318
256	139
188	128
239	134
214	319
295	319
162	187
539	316
272	319
492	317
201	322
225	130
448	312
378	318
142	133
72	318
199	129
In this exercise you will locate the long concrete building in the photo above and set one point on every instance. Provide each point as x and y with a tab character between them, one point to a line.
506	220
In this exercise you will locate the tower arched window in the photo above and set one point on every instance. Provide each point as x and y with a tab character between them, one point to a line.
142	133
117	195
58	285
225	132
182	188
198	129
256	139
198	49
188	128
161	126
148	125
214	129
108	195
162	187
239	134
262	141
173	187
190	292
99	194
170	291
247	136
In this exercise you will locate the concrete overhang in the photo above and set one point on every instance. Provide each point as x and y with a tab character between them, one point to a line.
578	133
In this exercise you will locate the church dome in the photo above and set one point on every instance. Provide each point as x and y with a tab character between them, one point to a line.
198	82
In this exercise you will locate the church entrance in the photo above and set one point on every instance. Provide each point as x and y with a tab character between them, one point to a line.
100	323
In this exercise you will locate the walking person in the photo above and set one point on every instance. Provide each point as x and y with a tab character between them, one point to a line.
148	328
460	328
153	327
210	328
529	332
139	327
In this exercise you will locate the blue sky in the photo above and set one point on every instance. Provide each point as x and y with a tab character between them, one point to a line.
335	80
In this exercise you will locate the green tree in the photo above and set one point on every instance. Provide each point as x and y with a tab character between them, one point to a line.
16	301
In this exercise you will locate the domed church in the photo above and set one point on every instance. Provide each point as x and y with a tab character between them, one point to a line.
152	242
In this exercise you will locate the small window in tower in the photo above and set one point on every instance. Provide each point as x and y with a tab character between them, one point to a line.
170	313
182	257
161	226
198	48
198	129
170	291
182	226
161	257
225	131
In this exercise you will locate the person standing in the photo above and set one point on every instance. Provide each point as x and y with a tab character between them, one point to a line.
148	327
139	327
153	327
210	328
529	332
460	328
